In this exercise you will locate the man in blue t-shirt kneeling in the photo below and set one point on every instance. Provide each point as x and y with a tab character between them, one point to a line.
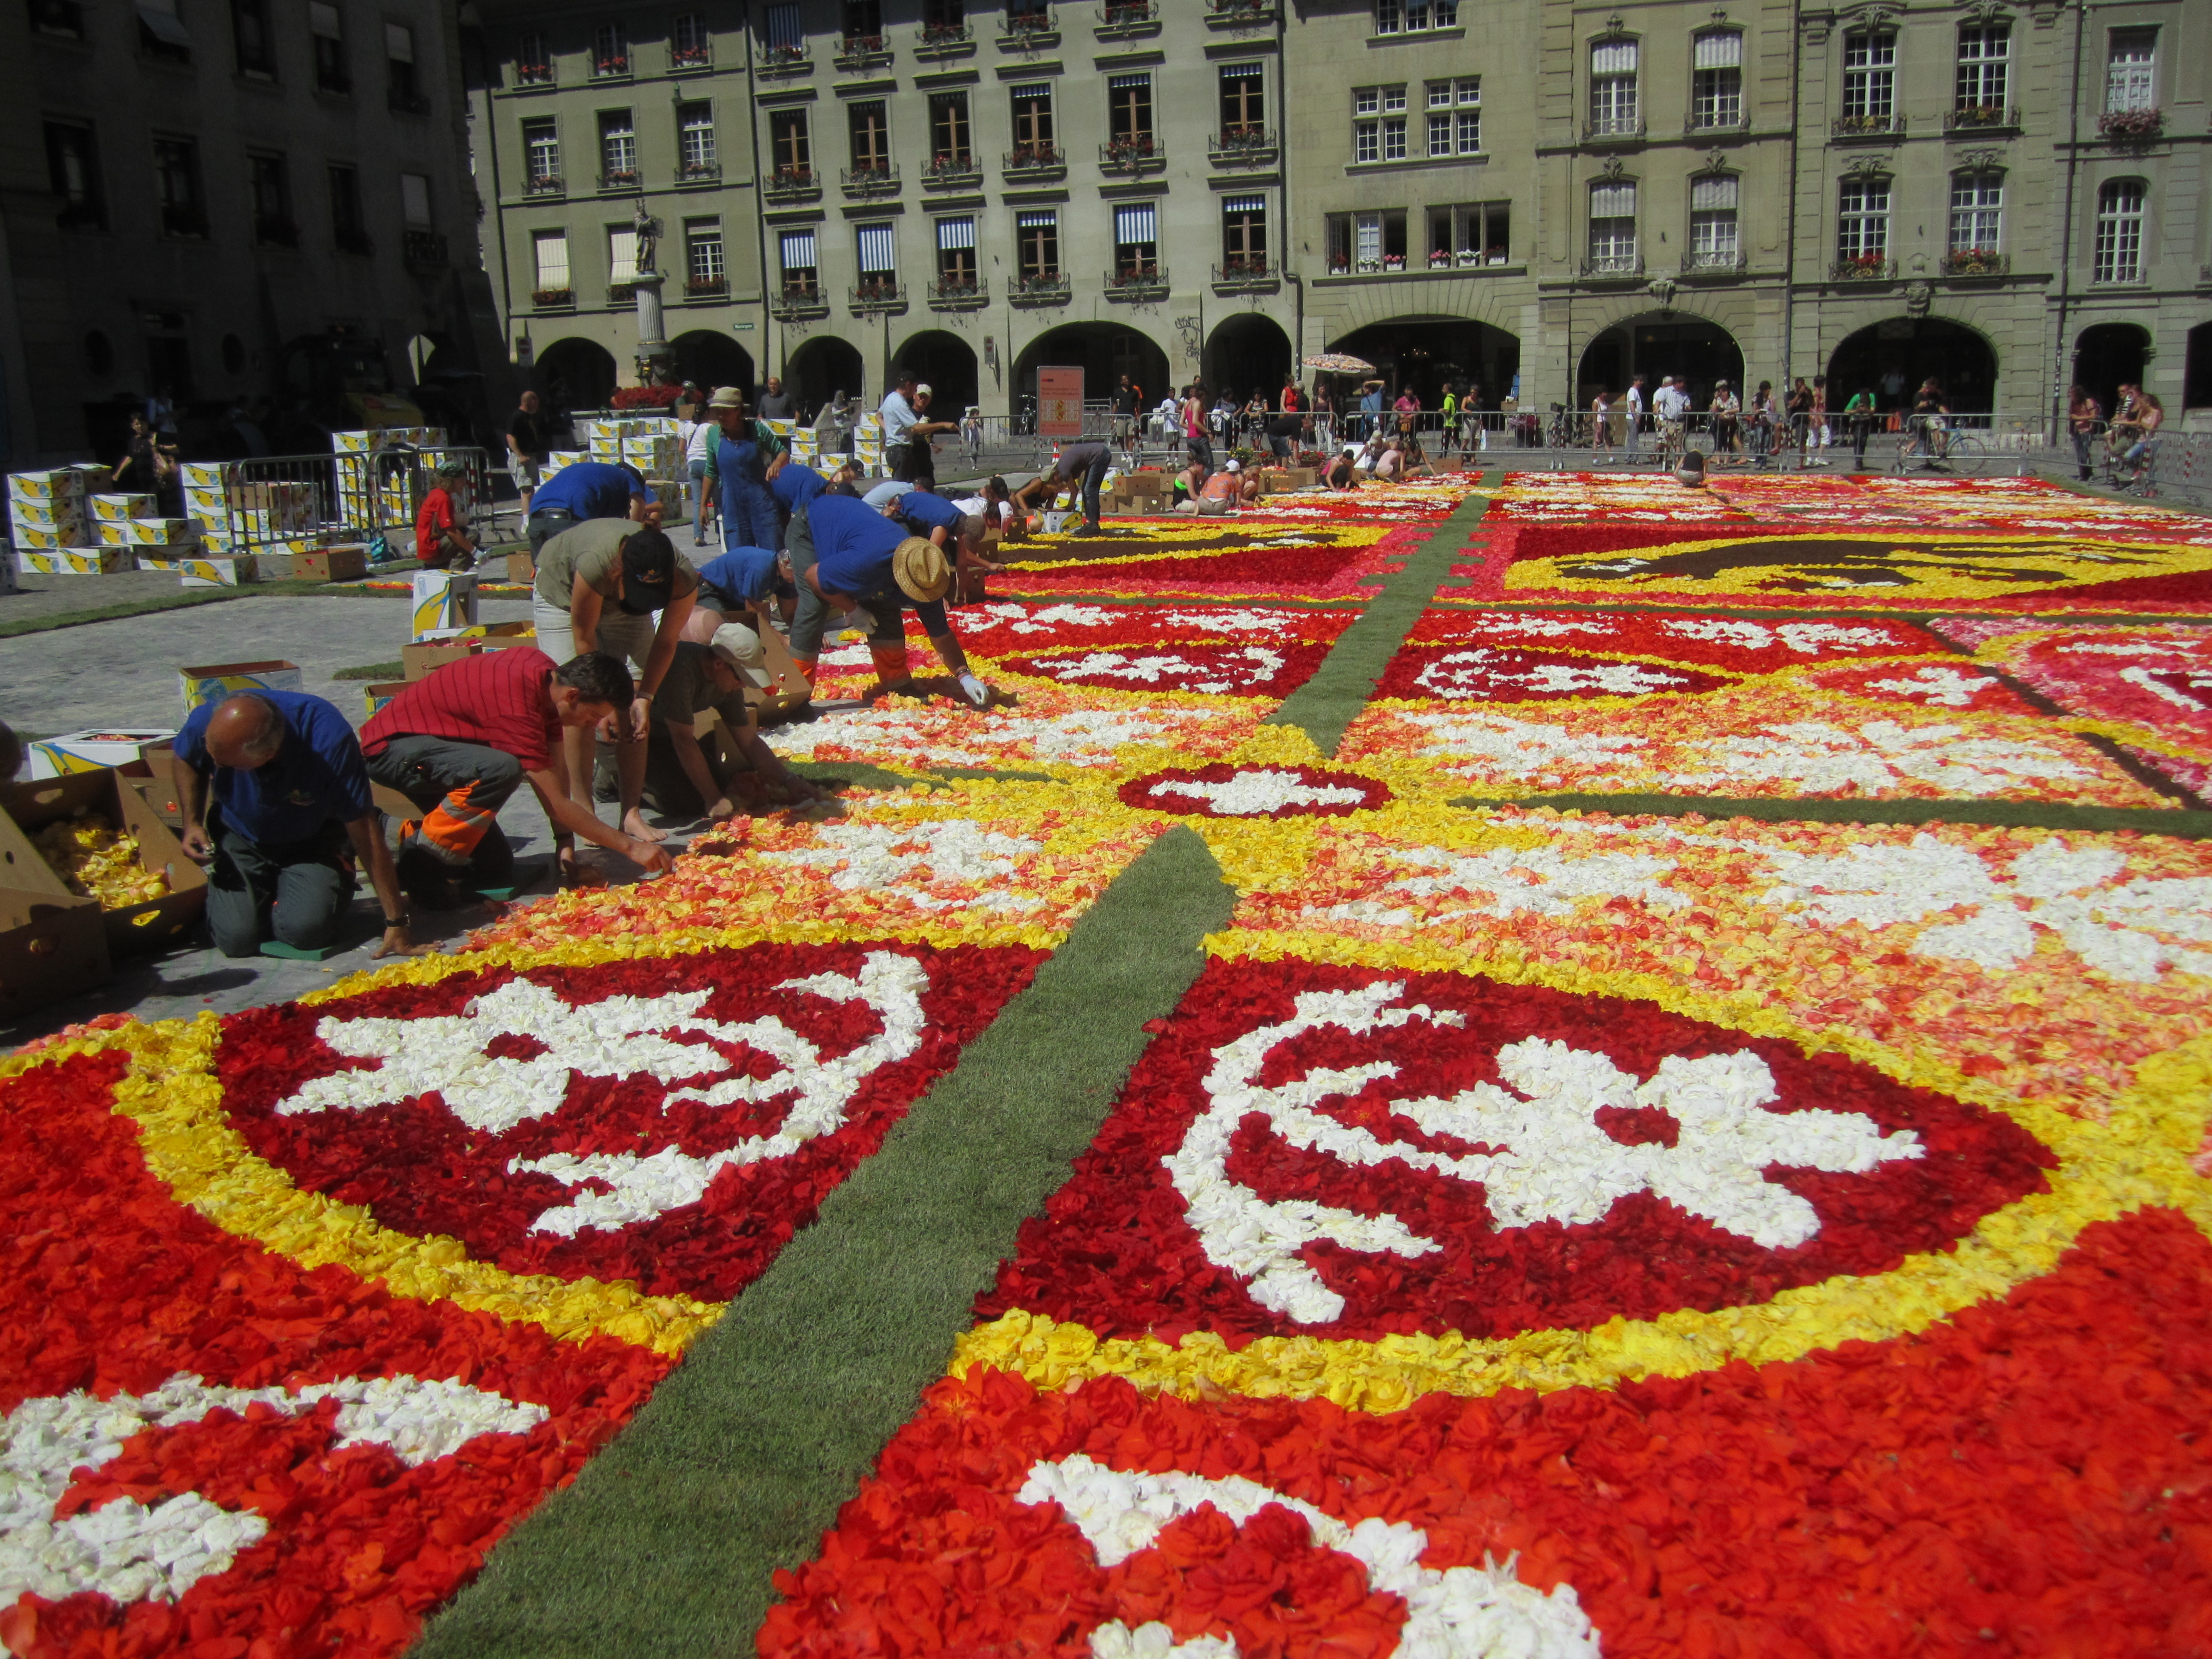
289	791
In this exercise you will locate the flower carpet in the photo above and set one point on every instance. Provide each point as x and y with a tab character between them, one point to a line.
1392	1095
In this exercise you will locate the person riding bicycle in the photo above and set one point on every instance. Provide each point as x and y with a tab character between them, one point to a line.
1930	430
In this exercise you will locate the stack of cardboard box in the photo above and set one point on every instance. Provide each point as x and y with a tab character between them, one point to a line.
55	532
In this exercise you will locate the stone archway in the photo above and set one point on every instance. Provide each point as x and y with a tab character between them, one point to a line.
1428	353
1892	357
825	366
576	374
944	363
1249	352
2108	356
1696	350
708	359
1103	351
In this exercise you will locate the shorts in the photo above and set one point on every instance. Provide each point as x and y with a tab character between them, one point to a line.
528	472
621	634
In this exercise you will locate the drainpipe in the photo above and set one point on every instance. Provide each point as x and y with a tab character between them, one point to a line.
1790	250
760	220
499	215
1298	283
2066	238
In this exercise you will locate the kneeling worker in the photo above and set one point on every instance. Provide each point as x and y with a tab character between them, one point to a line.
457	742
291	792
1089	462
682	780
863	567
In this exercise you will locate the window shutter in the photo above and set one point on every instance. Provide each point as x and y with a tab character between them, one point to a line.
1136	221
1124	83
1712	193
1614	201
1614	57
875	250
799	250
1723	49
956	234
1245	204
1036	221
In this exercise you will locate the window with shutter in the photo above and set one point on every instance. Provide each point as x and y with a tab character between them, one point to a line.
1716	79
956	254
1612	227
1613	89
2131	61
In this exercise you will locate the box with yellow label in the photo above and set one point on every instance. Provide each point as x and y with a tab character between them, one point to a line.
47	540
116	509
73	561
202	474
212	682
160	532
217	570
443	600
63	484
88	751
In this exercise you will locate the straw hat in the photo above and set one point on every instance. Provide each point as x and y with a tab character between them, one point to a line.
727	396
920	569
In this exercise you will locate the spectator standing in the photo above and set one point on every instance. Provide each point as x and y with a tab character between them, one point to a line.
1370	409
1859	416
529	442
1727	413
2083	416
1601	422
776	403
1635	402
1324	416
588	489
1759	424
442	541
1290	399
899	416
275	793
1801	416
1821	412
598	587
833	427
740	473
1672	405
459	741
2149	416
1127	401
1194	430
699	439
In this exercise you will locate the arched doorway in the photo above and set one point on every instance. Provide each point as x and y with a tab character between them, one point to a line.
2108	356
1894	358
1698	353
576	374
1103	351
944	363
2196	369
1429	353
1249	351
708	359
822	368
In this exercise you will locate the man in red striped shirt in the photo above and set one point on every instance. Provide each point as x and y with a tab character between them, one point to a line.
459	741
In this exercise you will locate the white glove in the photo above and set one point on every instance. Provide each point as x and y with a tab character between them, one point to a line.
858	620
975	691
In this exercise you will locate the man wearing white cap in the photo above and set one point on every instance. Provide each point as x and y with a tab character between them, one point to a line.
682	780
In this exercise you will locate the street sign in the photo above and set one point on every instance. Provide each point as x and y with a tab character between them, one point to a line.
1060	403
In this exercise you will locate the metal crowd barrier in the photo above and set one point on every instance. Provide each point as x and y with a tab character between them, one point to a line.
288	503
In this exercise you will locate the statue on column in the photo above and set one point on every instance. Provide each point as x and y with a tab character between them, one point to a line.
646	229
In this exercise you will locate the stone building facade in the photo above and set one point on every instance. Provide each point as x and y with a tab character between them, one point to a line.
214	200
1533	197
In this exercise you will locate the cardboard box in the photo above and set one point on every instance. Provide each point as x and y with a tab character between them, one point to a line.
347	562
202	474
417	661
46	516
64	483
153	777
90	750
30	807
160	532
212	682
442	600
74	560
521	567
123	508
49	948
218	570
273	567
48	538
378	693
791	690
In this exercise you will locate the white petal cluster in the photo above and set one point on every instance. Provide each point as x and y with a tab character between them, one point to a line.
1532	751
2130	929
1459	1612
1806	639
1257	792
1239	670
620	1189
1947	686
920	737
1820	757
1480	672
909	860
1552	1162
133	1552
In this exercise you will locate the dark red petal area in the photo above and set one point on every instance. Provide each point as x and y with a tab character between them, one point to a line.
420	1169
2029	1476
1114	1249
1484	673
108	1285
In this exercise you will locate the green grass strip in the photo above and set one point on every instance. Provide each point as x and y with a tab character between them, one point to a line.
180	601
2001	814
1348	676
664	1546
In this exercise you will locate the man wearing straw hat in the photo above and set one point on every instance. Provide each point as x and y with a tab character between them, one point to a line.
866	570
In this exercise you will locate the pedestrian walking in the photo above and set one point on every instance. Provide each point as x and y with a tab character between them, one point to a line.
1800	409
1727	413
1600	410
1672	406
1761	424
1635	402
739	471
1859	416
528	444
1195	432
1820	412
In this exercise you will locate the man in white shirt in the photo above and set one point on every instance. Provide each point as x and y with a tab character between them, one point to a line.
1635	402
898	417
1670	403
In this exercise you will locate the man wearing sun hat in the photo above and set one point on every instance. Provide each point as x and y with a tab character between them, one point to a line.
683	778
866	569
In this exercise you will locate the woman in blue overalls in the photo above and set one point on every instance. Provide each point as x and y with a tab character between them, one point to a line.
750	517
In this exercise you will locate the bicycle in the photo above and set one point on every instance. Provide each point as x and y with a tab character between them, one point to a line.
1945	448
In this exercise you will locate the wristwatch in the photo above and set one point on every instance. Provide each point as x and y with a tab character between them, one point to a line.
391	922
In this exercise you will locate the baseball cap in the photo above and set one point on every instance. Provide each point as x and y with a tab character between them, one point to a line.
453	466
1235	467
920	569
740	647
648	567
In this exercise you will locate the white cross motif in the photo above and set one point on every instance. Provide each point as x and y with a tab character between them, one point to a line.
1246	666
664	1037
1555	1163
1257	792
133	1552
1459	1613
1463	674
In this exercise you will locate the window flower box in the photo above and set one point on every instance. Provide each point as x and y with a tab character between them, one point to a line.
2131	125
601	67
698	286
1974	262
691	57
545	298
533	75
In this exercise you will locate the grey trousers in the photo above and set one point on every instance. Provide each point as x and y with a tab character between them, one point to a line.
458	787
296	892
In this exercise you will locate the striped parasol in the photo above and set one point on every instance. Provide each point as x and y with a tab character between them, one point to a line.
1339	362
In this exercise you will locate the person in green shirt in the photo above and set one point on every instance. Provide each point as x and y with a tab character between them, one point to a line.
1859	415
